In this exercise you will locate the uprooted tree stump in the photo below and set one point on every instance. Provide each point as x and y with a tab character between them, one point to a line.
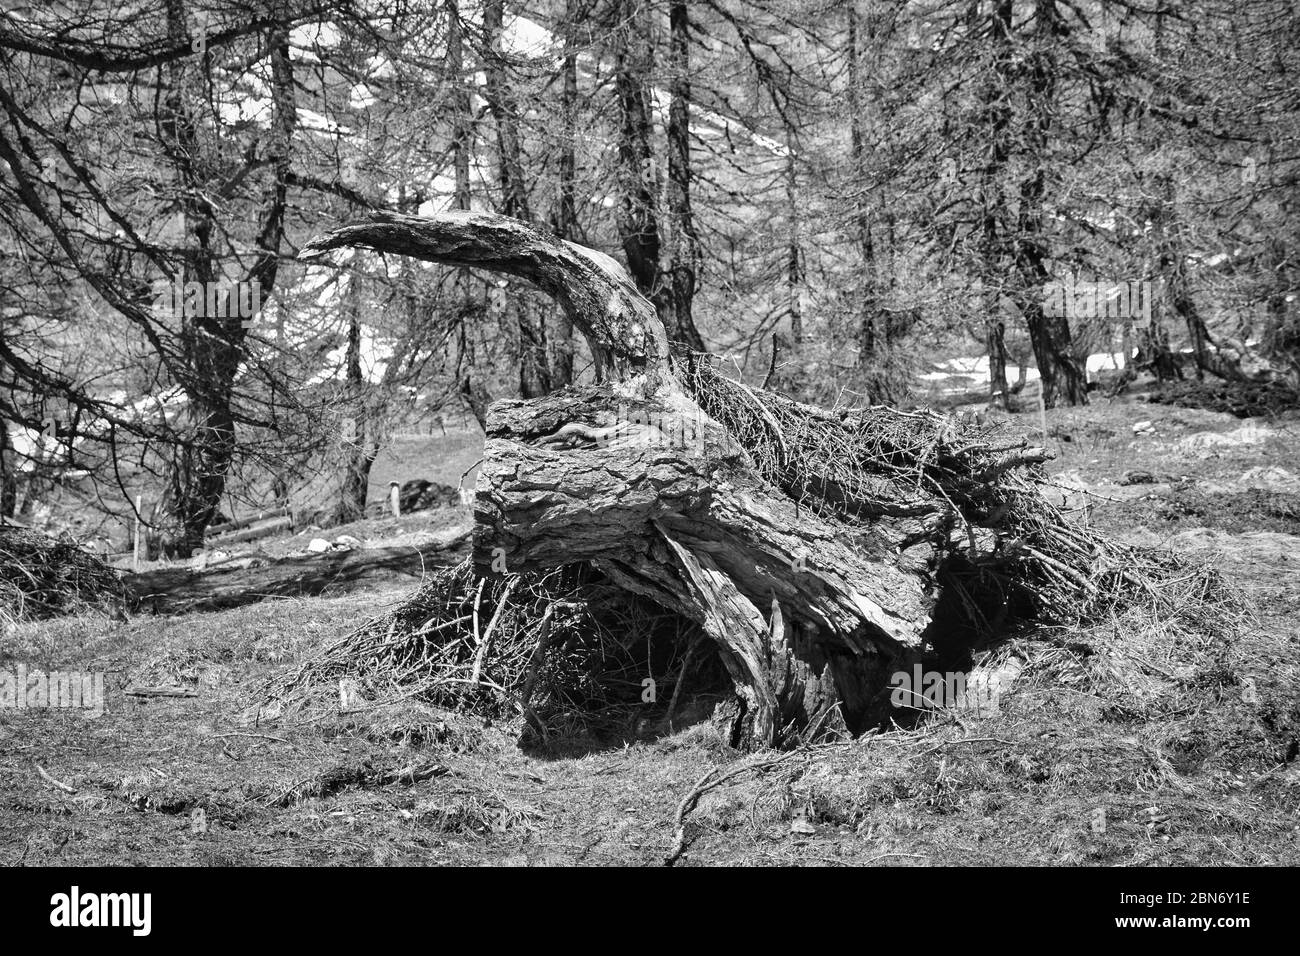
815	548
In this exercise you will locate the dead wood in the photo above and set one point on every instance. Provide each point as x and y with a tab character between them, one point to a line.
815	547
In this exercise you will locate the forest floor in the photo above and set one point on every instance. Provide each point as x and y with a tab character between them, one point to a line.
1121	744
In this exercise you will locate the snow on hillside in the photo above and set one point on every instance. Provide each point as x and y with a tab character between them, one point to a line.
962	374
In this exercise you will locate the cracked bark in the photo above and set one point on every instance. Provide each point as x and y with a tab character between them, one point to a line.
632	476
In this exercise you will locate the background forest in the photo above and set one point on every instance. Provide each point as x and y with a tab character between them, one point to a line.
838	198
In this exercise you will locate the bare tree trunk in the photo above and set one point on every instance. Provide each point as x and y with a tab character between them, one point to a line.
8	479
462	141
1062	378
564	218
995	345
505	111
470	389
993	254
360	445
8	460
1184	306
794	253
683	243
671	291
638	177
870	338
534	369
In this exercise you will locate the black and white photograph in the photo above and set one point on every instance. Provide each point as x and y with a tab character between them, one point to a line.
661	434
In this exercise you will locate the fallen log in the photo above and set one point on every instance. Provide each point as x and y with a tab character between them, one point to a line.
250	533
247	522
816	548
181	589
160	692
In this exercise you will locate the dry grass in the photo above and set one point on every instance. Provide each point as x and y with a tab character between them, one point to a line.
1120	717
1182	732
1137	741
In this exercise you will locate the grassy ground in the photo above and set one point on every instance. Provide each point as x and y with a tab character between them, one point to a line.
1137	742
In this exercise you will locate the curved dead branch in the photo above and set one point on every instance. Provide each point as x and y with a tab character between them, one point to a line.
620	325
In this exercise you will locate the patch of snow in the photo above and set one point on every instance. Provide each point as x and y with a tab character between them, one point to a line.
380	67
360	97
523	37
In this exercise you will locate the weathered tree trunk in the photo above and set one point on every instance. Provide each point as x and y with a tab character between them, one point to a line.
639	222
639	217
534	367
997	117
633	476
683	243
564	217
461	109
995	345
360	449
1063	378
794	254
8	479
868	293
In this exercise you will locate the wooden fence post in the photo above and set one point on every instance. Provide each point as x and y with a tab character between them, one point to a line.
135	555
